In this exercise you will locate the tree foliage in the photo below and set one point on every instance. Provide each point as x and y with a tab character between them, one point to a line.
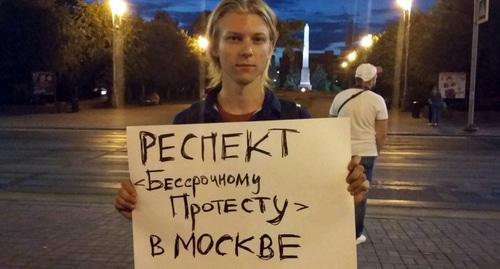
199	26
288	41
441	41
319	79
74	38
163	59
29	33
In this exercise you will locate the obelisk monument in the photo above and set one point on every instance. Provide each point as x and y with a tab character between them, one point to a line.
305	82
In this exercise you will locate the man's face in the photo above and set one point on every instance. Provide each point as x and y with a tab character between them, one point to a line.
244	47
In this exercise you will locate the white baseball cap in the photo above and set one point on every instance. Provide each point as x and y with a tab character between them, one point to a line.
366	72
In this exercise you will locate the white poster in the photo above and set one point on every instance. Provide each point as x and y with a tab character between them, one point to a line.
452	85
268	194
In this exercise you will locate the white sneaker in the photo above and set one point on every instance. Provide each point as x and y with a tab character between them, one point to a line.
361	239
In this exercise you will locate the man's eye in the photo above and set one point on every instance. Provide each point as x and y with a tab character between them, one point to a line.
233	38
260	39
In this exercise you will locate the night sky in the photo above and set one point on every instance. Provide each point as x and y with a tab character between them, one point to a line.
328	19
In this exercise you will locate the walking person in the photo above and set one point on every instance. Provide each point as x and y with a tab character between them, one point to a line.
436	104
242	35
368	113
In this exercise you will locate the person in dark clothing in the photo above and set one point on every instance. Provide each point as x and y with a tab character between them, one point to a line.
242	36
436	104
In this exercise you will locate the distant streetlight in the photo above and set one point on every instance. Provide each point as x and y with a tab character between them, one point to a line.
344	65
203	45
406	7
118	9
405	4
367	41
351	57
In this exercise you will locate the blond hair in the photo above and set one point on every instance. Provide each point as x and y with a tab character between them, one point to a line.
257	7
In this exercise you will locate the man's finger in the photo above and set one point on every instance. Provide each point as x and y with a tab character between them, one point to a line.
357	184
120	203
127	185
355	160
356	173
127	196
364	187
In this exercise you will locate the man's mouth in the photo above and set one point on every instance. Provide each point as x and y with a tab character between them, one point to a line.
245	65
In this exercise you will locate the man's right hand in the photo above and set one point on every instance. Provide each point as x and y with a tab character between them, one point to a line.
126	198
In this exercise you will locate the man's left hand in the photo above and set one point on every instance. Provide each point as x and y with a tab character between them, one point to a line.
358	184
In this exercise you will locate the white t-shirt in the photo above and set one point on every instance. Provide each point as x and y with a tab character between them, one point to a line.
363	110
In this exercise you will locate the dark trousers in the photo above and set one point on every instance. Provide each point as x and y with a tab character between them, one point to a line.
359	210
436	114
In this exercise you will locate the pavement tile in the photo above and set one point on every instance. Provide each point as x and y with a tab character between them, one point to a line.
54	235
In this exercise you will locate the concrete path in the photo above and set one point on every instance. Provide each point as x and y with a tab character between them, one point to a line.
58	234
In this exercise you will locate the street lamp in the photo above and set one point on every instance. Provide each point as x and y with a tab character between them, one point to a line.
345	66
351	57
406	7
367	41
118	9
405	4
203	45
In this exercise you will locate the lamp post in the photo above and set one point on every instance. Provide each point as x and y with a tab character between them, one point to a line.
203	45
351	57
406	5
345	68
481	15
366	42
118	9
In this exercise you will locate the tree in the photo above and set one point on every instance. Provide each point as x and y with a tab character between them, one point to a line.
319	79
293	79
287	40
199	25
151	57
29	42
86	54
440	40
70	38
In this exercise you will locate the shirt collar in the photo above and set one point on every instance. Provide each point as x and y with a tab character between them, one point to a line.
270	107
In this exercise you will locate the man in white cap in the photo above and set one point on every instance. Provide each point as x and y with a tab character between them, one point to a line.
369	116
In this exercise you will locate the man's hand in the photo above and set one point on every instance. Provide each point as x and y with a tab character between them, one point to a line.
126	198
358	184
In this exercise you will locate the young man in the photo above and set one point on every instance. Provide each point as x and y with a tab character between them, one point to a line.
242	35
368	114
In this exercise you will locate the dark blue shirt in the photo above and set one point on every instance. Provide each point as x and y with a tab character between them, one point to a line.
272	109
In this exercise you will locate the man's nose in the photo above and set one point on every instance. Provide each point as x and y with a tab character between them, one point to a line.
247	50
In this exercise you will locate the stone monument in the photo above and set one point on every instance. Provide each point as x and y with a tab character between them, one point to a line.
305	82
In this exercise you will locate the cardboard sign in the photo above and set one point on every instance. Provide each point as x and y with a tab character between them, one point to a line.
269	194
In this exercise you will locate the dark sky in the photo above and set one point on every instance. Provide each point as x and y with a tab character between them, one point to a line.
327	19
